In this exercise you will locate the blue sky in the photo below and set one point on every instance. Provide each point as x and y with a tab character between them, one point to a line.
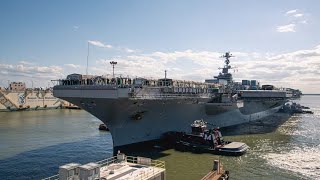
48	39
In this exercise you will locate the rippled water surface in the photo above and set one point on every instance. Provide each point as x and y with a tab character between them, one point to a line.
33	145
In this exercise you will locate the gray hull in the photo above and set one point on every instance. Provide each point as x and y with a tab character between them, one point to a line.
138	110
132	121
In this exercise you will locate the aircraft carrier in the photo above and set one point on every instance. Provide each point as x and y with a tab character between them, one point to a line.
140	110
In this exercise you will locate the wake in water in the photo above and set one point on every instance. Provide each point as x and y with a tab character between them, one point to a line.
302	154
305	161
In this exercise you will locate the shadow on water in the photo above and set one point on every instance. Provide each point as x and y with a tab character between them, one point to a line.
151	149
44	162
157	149
267	125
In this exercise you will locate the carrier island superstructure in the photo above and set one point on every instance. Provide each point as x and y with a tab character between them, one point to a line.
139	110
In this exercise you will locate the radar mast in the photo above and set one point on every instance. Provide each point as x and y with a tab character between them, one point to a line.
225	75
226	67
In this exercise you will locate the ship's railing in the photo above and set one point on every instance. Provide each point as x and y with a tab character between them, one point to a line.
113	86
155	165
86	87
107	162
169	91
129	82
147	92
131	159
257	99
168	96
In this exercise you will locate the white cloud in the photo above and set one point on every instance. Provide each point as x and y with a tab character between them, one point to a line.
291	12
30	69
75	28
26	62
72	65
99	44
287	28
118	48
41	75
299	55
282	70
130	50
303	22
298	15
296	18
199	57
297	69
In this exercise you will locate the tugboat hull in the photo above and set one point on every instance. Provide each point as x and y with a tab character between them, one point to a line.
226	151
196	144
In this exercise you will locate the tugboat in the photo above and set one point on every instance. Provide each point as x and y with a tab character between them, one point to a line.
202	139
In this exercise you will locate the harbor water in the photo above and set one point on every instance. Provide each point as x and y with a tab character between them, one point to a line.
33	144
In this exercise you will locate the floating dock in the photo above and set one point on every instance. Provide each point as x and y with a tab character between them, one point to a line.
120	167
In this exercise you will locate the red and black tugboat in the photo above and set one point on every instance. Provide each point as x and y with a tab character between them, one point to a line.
203	139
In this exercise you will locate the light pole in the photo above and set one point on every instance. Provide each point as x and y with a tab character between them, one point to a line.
113	63
87	59
165	77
